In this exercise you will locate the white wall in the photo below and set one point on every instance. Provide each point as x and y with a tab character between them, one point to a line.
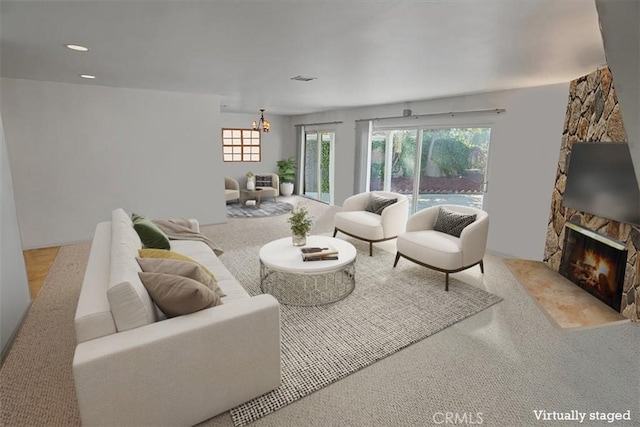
620	24
276	144
14	291
525	144
79	151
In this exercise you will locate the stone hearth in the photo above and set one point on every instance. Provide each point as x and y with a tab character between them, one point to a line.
566	304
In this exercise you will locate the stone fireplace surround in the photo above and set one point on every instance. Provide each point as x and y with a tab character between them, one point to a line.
593	114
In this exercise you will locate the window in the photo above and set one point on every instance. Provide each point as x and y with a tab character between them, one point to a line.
241	145
431	166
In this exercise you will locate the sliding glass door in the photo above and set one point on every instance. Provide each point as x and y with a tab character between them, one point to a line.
431	166
393	161
318	165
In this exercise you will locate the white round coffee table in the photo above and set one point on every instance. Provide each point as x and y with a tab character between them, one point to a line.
285	275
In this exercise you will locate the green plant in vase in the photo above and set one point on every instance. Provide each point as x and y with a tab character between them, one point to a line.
301	224
287	174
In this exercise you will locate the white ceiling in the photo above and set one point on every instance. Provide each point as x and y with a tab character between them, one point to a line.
362	52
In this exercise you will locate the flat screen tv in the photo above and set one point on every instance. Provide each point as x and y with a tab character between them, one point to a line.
601	180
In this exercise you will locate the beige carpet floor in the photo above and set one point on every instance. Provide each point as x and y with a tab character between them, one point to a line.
501	364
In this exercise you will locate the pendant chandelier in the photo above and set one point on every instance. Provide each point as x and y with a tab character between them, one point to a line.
263	124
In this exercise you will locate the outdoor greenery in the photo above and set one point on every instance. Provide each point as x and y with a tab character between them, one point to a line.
300	221
325	156
286	169
452	156
454	151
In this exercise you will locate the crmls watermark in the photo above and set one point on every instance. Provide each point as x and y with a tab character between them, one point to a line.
458	418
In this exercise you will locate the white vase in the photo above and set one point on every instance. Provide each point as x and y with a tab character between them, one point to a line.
251	183
286	189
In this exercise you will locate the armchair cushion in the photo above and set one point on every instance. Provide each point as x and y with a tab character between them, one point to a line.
363	224
451	222
377	203
432	247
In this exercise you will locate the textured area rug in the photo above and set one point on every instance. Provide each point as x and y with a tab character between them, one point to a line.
389	309
267	208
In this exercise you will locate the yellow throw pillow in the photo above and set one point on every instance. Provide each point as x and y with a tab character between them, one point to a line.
163	253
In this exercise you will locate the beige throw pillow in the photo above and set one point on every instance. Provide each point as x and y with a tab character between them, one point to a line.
178	295
180	268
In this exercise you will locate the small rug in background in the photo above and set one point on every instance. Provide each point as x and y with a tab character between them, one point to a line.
389	309
267	208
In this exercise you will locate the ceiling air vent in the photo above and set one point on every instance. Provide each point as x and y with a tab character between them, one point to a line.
303	78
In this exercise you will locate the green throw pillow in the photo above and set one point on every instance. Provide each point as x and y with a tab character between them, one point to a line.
150	234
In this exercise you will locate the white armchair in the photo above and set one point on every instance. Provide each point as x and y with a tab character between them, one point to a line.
442	251
356	221
270	184
231	189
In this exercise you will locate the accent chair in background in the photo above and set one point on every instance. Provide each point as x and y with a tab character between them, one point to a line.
446	238
270	184
231	189
373	216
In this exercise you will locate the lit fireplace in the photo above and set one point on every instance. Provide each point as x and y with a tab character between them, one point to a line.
594	262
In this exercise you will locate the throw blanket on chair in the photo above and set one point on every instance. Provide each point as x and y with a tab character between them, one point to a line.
180	229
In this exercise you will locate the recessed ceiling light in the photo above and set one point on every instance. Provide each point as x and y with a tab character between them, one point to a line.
303	78
77	47
87	76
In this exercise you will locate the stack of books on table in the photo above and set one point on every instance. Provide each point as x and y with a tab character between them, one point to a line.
318	253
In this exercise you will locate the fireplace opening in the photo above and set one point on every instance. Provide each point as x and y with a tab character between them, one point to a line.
594	262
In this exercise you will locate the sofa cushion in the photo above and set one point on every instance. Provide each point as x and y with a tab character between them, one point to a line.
377	203
130	303
201	253
162	253
93	314
451	222
150	234
180	268
178	295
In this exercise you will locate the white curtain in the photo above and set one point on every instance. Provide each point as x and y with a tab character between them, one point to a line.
299	158
361	169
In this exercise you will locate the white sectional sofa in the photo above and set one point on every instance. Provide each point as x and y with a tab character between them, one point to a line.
132	368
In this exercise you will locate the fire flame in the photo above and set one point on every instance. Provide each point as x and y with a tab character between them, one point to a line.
600	265
593	270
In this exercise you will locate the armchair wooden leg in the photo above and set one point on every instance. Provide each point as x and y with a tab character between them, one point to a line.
482	266
370	248
335	231
397	258
446	286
